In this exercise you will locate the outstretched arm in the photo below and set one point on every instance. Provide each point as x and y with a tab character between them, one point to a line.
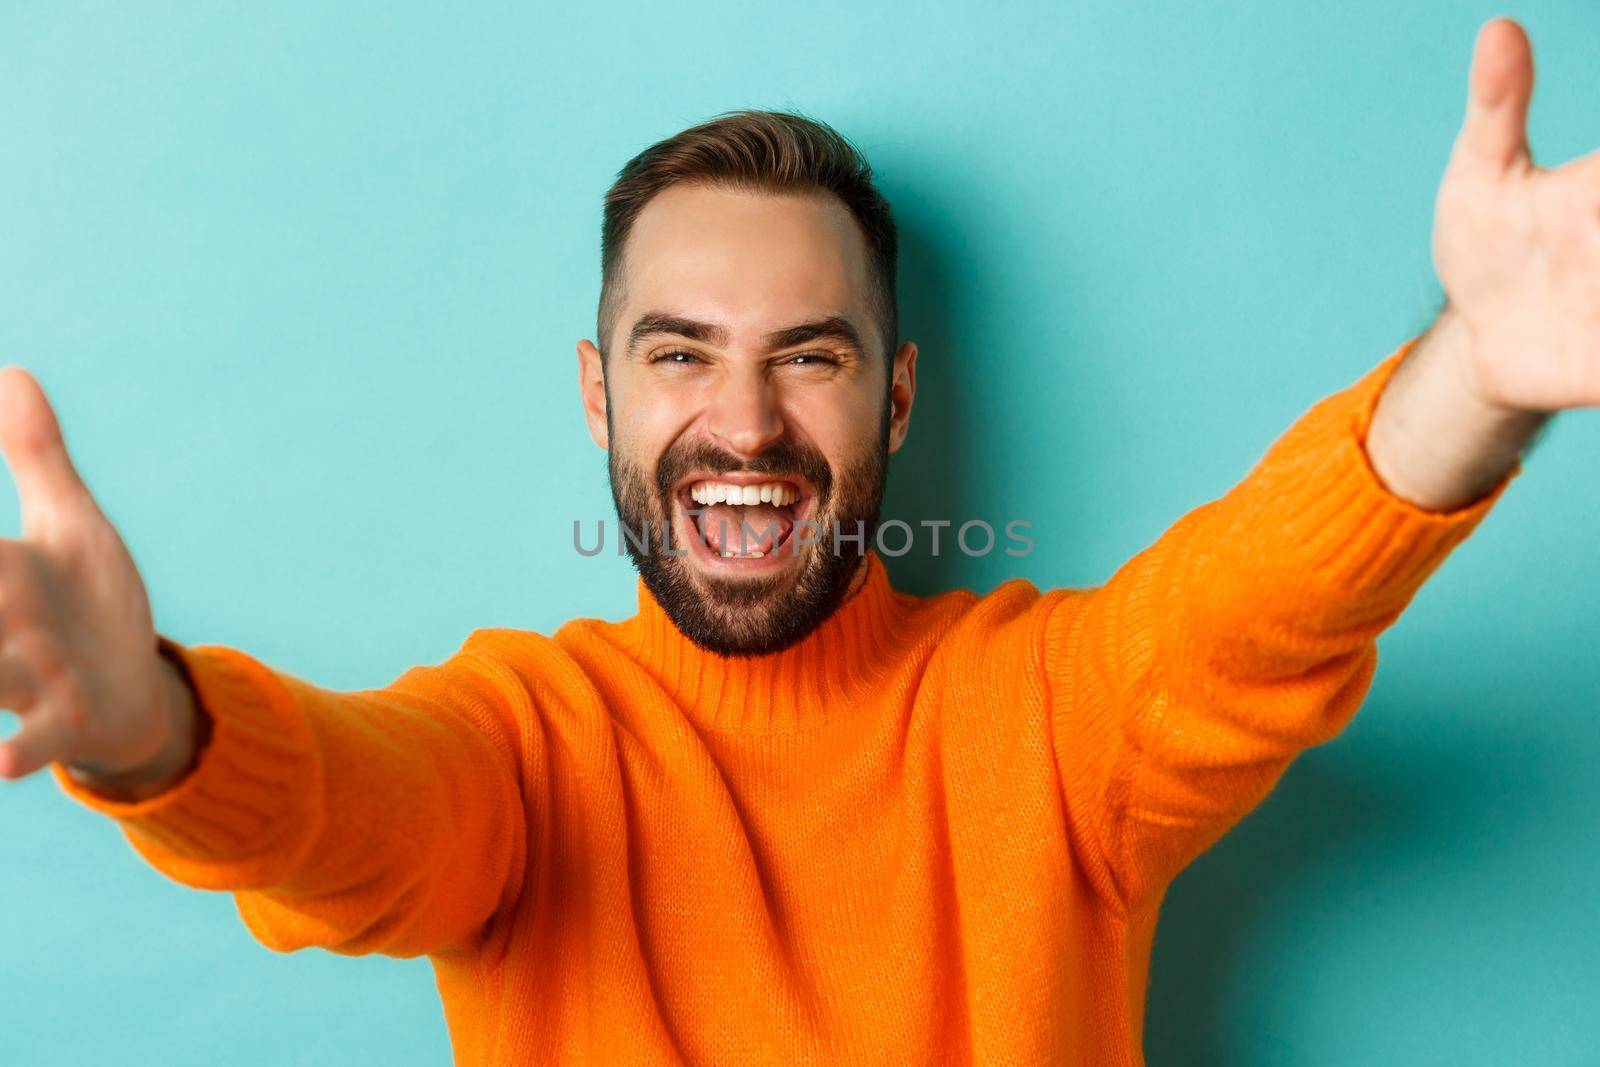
388	820
1182	688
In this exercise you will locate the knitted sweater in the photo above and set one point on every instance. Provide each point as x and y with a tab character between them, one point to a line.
937	830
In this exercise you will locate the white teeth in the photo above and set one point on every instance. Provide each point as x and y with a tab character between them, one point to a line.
711	492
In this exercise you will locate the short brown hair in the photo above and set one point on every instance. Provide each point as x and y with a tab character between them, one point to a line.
763	151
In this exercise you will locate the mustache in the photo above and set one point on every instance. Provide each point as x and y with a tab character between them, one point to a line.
783	457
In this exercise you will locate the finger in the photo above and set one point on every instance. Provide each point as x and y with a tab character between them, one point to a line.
1500	86
48	485
36	744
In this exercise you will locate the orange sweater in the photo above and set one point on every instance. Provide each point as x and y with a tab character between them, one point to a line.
938	830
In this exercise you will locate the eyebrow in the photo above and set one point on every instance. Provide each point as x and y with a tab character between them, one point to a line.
832	328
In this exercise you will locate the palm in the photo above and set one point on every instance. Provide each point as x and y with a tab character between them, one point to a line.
1517	247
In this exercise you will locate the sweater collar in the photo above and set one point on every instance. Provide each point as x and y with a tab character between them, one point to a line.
809	683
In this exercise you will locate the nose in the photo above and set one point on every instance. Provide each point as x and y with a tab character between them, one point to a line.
744	414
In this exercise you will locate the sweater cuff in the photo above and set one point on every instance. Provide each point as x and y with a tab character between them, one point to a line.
250	779
1358	533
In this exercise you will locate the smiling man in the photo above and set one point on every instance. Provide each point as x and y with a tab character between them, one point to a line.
786	813
754	389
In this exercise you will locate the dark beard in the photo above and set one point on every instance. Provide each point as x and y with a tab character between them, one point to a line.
755	616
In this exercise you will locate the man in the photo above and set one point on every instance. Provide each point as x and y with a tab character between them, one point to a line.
785	813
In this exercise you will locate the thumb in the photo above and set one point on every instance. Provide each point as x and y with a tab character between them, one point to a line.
48	485
1499	88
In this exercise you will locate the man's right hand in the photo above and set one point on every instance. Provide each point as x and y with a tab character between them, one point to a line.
78	659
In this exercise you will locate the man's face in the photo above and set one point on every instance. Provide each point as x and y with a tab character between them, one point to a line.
748	405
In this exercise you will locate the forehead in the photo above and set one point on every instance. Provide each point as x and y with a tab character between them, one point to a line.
749	259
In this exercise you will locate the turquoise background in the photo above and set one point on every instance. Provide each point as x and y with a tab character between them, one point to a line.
305	285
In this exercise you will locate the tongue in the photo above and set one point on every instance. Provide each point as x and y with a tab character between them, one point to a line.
762	526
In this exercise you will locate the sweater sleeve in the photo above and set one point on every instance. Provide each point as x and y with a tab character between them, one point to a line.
1180	690
383	820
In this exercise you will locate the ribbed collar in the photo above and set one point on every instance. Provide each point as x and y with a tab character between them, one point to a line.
820	678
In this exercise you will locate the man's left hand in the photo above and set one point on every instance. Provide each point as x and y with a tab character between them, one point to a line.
1517	250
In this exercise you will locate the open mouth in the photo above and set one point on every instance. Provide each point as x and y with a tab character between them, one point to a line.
744	521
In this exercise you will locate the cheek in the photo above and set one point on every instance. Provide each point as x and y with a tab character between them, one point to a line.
644	423
841	426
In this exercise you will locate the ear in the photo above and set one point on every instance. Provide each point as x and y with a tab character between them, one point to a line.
902	390
592	388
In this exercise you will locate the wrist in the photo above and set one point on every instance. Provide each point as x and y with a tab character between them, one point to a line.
1454	341
1438	438
187	731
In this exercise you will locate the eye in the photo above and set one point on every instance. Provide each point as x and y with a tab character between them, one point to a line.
811	359
676	357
